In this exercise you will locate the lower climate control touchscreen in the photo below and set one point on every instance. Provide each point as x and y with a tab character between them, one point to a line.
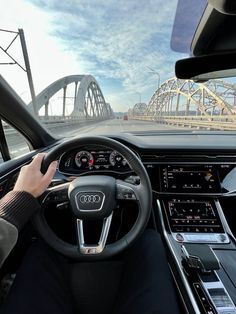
194	220
193	216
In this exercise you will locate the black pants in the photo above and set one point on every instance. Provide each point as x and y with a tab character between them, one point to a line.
138	283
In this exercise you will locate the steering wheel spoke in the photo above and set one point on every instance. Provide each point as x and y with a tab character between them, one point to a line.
126	191
56	194
92	249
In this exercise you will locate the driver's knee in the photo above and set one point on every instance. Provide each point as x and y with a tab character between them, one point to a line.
39	252
42	280
39	262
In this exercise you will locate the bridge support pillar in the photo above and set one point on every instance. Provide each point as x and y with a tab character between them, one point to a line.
76	85
187	107
64	101
46	109
177	105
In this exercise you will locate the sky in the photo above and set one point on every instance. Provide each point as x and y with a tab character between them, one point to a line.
124	44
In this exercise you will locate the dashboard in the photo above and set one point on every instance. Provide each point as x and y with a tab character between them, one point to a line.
187	182
193	172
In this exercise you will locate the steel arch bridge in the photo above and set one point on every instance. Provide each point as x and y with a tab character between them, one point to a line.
88	100
210	105
139	109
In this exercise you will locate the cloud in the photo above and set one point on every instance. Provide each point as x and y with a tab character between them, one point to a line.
116	40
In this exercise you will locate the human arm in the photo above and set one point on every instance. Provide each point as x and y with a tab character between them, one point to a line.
17	206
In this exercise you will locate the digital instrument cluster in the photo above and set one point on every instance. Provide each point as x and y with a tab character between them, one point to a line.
92	160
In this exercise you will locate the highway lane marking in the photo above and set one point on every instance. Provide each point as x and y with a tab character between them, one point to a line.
122	129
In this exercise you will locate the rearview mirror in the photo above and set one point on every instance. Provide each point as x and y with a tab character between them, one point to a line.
206	67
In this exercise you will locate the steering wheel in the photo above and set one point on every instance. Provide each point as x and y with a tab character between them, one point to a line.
95	197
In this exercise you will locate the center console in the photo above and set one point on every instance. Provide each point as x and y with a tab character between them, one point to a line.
201	266
201	245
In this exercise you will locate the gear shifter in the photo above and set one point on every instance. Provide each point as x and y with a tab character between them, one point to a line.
200	257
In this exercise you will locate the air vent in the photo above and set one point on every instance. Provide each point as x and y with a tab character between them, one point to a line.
186	157
151	158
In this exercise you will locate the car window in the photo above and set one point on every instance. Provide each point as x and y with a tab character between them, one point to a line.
16	143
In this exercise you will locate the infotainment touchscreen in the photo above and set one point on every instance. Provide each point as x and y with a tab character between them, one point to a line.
189	179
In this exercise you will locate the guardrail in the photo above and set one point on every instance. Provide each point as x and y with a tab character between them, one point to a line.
53	122
220	122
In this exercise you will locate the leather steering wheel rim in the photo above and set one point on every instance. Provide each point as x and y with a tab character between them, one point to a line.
144	200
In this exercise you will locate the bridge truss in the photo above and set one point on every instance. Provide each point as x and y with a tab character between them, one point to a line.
88	101
211	105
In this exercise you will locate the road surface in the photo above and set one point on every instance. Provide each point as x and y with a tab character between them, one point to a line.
117	126
18	146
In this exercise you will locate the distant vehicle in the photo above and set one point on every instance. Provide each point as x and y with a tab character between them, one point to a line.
125	117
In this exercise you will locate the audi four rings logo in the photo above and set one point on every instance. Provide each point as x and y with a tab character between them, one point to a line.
92	198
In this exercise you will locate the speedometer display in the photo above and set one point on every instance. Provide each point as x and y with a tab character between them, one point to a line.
84	159
117	159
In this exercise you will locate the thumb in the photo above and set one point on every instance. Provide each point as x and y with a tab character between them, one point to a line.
50	172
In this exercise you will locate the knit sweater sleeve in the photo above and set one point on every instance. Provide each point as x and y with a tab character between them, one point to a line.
16	208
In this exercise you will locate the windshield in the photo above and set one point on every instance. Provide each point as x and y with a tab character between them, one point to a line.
108	66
